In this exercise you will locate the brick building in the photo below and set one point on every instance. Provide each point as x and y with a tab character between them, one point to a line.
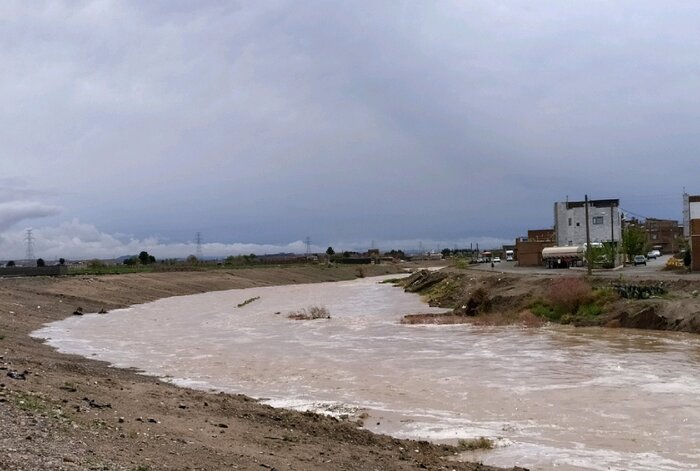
694	229
528	250
663	234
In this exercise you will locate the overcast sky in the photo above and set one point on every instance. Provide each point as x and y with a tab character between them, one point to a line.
129	125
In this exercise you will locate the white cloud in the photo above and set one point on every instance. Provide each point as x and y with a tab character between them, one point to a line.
12	212
78	240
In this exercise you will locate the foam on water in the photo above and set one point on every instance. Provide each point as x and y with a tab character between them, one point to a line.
555	396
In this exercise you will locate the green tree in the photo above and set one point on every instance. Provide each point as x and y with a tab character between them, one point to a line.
446	252
144	258
40	262
11	263
634	242
61	261
330	252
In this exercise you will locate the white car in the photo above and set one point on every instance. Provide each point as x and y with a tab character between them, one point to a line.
497	259
653	254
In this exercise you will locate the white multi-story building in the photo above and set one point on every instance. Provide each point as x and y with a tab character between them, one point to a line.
604	221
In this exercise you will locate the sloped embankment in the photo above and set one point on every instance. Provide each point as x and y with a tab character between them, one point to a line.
485	298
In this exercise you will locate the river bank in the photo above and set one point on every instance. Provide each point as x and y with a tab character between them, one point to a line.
497	298
66	412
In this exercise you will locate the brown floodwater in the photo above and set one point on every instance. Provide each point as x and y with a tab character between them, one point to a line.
552	398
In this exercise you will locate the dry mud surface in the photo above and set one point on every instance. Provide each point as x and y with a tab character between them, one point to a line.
66	412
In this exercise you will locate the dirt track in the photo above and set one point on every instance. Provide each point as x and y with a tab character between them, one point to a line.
66	412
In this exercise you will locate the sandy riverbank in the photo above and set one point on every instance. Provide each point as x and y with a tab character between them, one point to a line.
74	413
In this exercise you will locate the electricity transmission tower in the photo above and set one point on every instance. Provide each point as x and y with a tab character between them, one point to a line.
30	244
198	242
307	241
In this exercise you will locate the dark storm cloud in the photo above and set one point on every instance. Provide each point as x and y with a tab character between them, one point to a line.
270	121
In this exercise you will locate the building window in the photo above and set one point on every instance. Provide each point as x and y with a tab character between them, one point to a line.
569	221
598	220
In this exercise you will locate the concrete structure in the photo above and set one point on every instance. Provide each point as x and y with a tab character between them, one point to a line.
528	250
53	270
604	220
694	230
663	234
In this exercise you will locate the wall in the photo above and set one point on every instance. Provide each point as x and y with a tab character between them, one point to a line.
530	253
575	234
34	271
694	202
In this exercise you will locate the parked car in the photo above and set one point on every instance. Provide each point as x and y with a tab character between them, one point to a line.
639	260
651	255
497	259
654	254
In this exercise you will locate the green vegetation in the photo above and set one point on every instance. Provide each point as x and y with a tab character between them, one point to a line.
444	293
461	262
573	301
481	443
33	403
248	301
634	242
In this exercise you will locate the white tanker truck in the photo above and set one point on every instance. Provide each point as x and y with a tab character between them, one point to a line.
564	257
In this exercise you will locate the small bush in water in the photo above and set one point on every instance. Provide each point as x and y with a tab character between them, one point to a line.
311	312
481	443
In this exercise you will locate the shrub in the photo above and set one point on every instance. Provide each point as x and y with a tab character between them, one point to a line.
567	295
311	312
248	301
481	443
478	303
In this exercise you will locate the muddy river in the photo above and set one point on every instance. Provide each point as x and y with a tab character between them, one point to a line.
553	397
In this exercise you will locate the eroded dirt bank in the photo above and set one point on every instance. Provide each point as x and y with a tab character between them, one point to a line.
66	412
569	298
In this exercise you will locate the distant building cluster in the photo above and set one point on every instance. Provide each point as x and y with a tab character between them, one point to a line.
601	222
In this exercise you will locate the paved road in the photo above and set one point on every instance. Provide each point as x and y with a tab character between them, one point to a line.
653	269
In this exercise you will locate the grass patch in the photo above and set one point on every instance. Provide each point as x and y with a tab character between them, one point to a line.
471	444
580	307
461	263
309	313
32	403
443	294
248	301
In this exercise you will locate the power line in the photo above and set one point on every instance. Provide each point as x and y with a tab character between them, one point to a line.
635	214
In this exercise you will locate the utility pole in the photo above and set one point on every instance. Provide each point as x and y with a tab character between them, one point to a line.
588	241
612	234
